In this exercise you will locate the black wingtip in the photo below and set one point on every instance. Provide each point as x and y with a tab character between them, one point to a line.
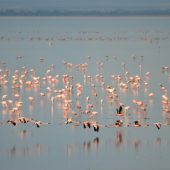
88	124
84	126
97	128
120	109
117	110
37	125
158	126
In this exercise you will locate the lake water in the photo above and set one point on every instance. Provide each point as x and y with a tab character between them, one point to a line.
109	47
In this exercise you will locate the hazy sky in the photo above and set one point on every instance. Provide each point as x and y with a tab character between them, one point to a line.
83	4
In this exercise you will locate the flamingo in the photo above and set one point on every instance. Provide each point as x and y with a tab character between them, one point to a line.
119	111
40	123
95	127
25	120
118	123
158	125
86	123
69	120
13	122
137	124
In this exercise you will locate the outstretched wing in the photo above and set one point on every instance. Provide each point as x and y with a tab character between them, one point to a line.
120	109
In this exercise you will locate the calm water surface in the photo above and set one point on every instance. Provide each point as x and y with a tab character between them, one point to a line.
109	47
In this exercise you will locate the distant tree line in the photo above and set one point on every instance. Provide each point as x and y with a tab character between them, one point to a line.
11	12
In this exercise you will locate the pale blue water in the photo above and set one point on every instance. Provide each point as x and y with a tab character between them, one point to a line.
112	41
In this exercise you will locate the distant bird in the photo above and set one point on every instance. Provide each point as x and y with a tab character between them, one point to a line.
42	94
151	95
31	99
4	97
69	121
119	111
22	119
137	124
118	123
12	122
25	120
158	125
96	128
40	123
86	124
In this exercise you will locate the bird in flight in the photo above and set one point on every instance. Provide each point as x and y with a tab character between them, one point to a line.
120	111
158	125
40	123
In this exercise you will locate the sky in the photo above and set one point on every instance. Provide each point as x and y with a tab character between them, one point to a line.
83	4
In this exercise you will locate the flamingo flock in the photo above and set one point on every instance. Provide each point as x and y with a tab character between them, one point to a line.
79	108
25	120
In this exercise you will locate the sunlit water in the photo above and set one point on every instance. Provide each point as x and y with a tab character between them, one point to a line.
109	47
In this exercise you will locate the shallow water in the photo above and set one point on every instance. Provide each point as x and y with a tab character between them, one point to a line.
105	44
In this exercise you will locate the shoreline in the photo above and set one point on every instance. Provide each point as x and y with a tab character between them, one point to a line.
86	17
